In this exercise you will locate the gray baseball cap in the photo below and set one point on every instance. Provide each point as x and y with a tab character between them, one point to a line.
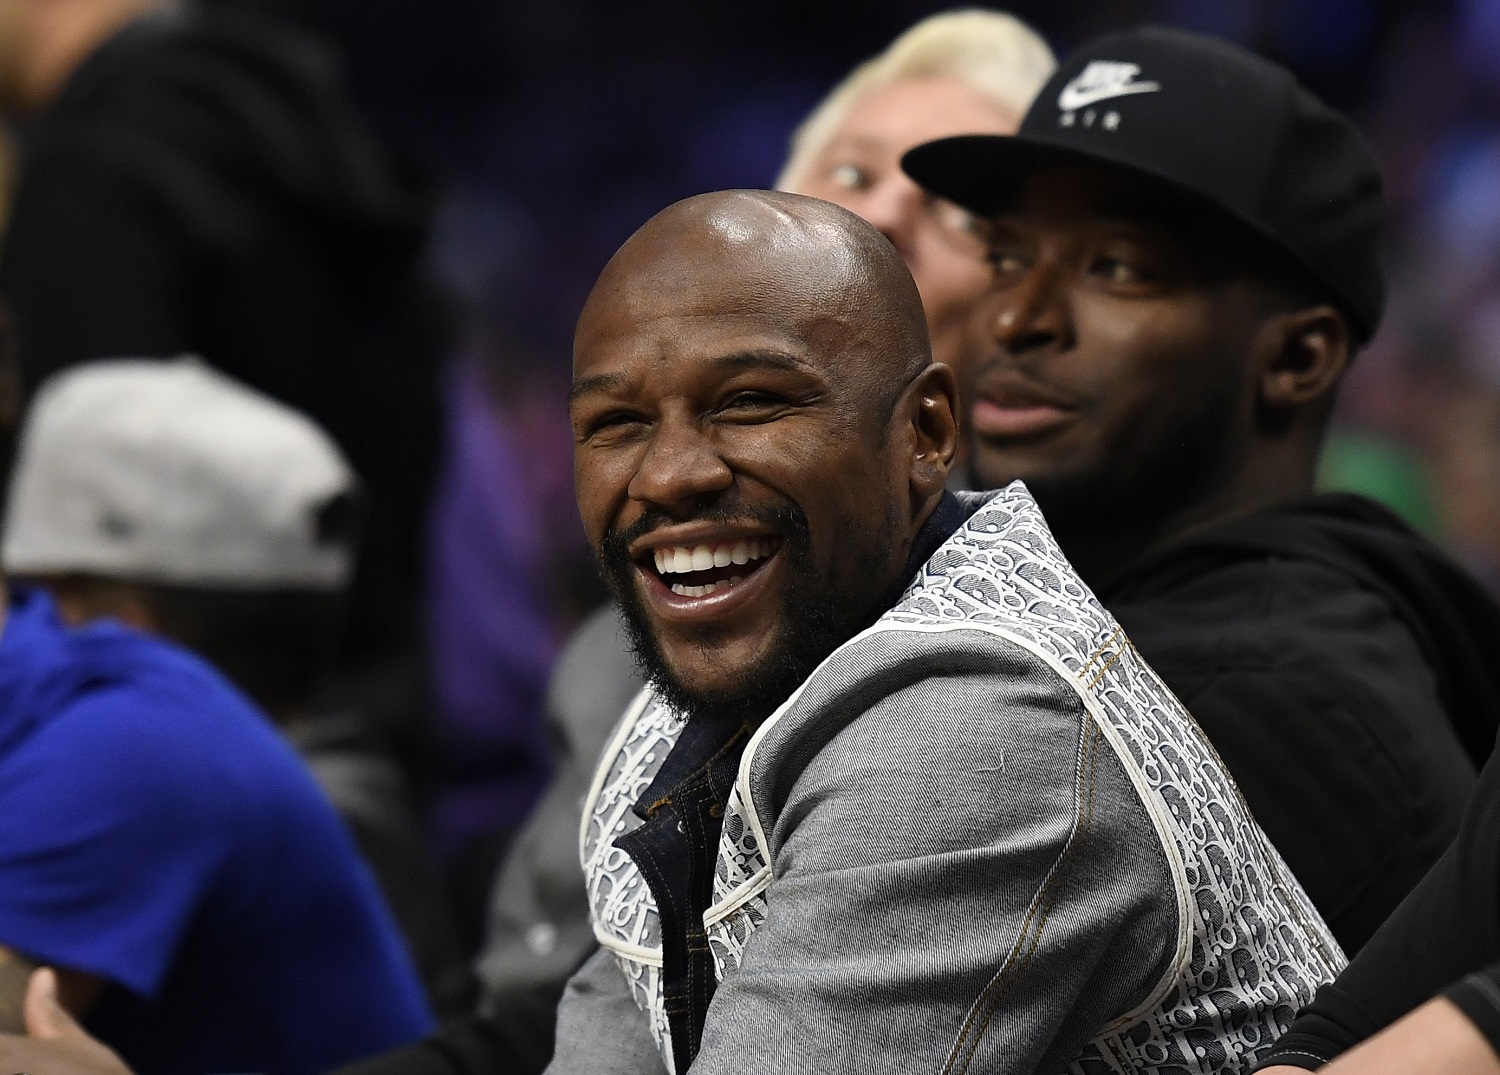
167	471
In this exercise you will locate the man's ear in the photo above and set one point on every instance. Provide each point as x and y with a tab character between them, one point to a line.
932	408
1306	352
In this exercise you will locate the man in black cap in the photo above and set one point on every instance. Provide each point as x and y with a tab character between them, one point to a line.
1186	254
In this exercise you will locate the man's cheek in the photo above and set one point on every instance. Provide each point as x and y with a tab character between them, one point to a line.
596	509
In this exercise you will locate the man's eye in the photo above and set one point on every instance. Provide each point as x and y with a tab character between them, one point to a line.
850	176
956	218
751	405
614	422
1118	270
1005	261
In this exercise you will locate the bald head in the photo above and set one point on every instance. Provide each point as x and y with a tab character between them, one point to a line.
823	269
759	434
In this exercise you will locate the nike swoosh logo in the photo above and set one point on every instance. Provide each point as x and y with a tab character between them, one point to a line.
1072	97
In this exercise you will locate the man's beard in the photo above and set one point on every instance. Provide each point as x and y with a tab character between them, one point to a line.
814	622
1138	494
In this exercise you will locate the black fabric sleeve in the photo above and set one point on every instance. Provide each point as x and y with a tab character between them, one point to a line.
1478	997
91	267
1448	927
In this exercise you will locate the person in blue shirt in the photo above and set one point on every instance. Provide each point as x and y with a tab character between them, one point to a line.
166	851
163	848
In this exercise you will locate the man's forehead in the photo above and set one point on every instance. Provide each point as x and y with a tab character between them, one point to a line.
759	243
1086	203
707	306
675	342
743	271
676	333
713	300
728	256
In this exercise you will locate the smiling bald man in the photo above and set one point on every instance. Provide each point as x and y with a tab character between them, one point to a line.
901	796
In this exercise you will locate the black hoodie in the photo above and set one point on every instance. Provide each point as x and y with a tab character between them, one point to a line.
1347	672
202	184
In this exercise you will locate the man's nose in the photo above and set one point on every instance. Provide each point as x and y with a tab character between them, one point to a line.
894	206
680	465
1031	312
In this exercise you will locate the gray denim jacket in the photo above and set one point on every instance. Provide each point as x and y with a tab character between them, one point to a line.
981	837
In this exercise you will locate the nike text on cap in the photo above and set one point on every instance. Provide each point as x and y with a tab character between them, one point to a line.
1217	122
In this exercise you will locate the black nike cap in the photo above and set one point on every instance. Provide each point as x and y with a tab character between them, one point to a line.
1219	123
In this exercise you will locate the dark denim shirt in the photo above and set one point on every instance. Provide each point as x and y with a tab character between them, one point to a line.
676	848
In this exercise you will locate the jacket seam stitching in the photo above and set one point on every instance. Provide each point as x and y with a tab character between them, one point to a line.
990	999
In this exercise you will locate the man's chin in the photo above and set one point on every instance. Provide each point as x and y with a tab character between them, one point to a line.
994	466
690	672
742	667
747	700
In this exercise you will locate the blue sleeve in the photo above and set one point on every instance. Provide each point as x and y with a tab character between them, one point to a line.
108	839
347	982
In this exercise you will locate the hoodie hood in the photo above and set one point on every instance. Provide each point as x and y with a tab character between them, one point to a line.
1454	620
46	666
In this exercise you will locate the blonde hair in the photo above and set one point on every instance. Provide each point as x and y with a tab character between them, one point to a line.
994	54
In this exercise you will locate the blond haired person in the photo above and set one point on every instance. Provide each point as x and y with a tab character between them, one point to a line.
961	72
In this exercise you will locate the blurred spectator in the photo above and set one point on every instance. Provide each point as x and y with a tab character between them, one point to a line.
1382	469
194	180
182	504
964	72
160	844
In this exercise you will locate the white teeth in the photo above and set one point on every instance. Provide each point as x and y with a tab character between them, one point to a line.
680	559
684	590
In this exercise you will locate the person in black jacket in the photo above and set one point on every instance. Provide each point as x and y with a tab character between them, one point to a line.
195	180
1437	958
1185	245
